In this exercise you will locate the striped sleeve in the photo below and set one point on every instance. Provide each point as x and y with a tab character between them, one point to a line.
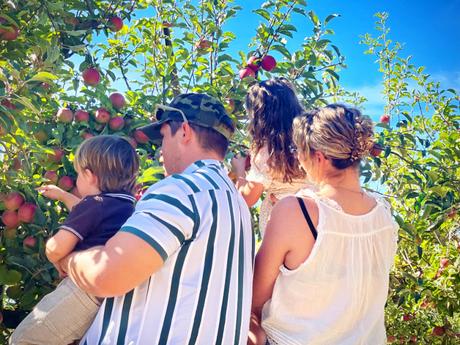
164	219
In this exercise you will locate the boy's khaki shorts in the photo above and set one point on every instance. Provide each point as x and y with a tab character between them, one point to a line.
60	318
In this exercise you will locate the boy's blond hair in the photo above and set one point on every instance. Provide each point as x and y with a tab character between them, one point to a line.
112	159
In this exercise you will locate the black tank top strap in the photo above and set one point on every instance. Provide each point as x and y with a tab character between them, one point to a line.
307	217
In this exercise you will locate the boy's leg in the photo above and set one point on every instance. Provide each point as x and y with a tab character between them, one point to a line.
59	318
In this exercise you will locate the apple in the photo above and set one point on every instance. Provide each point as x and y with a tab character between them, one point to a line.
166	24
268	63
247	72
26	212
56	156
132	142
391	339
376	150
81	116
407	317
91	76
229	105
64	115
385	118
444	262
41	136
254	63
13	201
10	233
117	99
17	164
102	115
203	44
452	213
86	135
116	123
10	219
66	183
438	331
141	137
3	131
116	23
29	241
72	20
7	104
8	32
51	176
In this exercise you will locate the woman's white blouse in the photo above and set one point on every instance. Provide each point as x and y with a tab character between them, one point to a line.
337	296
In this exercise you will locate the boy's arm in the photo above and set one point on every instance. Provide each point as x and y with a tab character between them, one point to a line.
60	245
56	193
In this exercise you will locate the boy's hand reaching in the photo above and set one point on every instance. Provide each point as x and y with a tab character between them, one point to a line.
55	193
51	191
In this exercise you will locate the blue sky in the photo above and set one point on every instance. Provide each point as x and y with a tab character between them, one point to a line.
429	30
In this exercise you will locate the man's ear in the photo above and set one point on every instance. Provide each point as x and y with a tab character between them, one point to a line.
187	133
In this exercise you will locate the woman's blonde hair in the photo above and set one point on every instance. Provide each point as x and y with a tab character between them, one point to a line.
112	159
341	133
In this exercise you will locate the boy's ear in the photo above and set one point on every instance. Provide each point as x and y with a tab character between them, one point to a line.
92	178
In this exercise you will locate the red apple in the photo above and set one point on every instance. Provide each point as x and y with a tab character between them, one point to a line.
116	123
56	156
247	72
254	63
10	219
116	23
385	118
203	44
17	164
141	137
86	135
391	339
438	331
268	63
13	201
407	317
444	262
8	32
102	115
81	116
452	213
3	131
117	99
376	150
26	212
72	20
64	115
91	76
132	142
66	183
29	241
10	233
51	176
7	104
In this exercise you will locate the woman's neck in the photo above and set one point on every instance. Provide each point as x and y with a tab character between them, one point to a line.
347	181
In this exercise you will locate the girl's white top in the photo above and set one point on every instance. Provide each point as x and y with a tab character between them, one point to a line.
337	296
259	172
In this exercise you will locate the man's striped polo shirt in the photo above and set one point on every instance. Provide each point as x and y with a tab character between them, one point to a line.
200	225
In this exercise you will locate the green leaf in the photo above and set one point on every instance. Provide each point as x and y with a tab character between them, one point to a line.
330	17
314	18
283	50
263	13
28	104
44	76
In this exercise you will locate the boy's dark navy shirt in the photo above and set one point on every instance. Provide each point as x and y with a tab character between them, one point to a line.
97	218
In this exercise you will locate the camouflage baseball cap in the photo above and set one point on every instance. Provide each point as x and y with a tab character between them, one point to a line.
196	108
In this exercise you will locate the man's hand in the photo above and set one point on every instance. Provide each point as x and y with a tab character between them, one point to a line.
239	165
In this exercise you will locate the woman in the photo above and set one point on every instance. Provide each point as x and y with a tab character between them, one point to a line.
322	272
272	106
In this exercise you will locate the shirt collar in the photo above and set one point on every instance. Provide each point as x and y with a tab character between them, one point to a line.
202	163
123	196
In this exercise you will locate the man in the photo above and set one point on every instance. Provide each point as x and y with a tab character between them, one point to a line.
180	269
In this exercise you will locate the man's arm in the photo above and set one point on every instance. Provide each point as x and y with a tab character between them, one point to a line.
123	263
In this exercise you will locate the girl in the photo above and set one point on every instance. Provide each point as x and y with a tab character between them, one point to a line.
271	105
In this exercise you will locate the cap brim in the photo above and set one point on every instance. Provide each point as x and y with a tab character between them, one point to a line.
152	131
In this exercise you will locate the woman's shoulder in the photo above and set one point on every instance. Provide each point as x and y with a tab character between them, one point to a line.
289	210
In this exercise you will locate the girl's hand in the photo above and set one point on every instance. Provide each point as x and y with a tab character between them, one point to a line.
51	191
239	165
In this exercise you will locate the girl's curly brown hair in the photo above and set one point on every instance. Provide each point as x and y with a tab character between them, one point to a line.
272	106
